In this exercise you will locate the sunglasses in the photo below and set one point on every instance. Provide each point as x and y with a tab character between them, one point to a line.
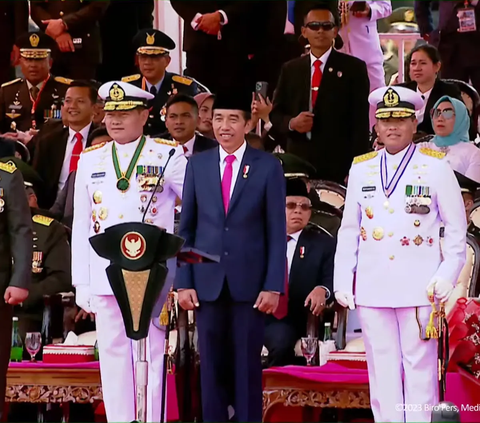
446	113
315	26
303	206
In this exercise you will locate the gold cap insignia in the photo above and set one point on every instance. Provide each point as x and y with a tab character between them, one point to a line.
409	15
34	40
150	39
391	98
117	93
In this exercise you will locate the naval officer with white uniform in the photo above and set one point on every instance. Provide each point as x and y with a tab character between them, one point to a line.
396	201
114	183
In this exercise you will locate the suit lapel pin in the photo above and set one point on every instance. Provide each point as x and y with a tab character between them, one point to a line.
330	69
339	74
302	252
246	169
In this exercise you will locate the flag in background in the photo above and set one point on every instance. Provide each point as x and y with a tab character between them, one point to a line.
289	25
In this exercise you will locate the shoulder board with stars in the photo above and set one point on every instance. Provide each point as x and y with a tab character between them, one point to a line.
365	157
63	80
42	220
6	84
166	142
131	78
182	80
7	167
432	153
94	147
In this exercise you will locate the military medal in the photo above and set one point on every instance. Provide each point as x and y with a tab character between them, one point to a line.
97	197
37	262
369	212
245	171
405	241
123	178
103	213
36	101
147	178
94	216
418	240
154	199
378	234
429	241
154	210
363	233
418	199
2	205
416	223
96	227
143	198
302	252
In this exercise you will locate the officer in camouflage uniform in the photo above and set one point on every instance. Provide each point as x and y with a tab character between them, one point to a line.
153	55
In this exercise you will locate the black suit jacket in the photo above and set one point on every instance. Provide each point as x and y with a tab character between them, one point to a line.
236	35
48	162
314	269
341	124
440	89
201	143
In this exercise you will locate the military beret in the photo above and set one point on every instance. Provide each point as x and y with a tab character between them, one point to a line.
153	42
30	176
34	45
294	166
296	188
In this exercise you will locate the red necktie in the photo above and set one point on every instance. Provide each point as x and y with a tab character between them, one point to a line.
227	181
282	309
185	150
316	81
77	150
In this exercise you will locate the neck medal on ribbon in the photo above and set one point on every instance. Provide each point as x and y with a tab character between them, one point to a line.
389	188
123	178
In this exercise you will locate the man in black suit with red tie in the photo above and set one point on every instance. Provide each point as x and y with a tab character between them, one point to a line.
321	102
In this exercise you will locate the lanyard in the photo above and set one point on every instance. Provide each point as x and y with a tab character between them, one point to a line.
123	178
35	102
389	188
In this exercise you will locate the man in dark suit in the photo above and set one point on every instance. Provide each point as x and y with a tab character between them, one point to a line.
218	38
13	23
120	23
15	247
26	103
321	102
57	155
182	122
310	266
74	26
460	51
153	55
233	206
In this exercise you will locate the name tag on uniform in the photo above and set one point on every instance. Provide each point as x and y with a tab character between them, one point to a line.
98	175
369	189
417	199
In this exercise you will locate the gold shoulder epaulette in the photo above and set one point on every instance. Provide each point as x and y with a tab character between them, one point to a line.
365	157
42	220
131	78
63	80
432	153
8	167
183	80
166	142
94	147
11	82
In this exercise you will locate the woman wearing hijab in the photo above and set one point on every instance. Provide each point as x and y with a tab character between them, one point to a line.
205	114
451	123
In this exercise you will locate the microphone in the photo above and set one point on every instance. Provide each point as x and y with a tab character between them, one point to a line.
445	412
160	177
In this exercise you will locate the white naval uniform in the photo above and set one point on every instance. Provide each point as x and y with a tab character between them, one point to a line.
96	174
361	40
392	274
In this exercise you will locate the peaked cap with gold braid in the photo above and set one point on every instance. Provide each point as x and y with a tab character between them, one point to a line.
153	42
395	102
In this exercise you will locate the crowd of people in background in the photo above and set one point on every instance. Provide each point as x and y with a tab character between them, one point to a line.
301	72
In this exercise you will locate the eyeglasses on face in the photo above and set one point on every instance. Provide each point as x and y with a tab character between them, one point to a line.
325	25
446	113
303	206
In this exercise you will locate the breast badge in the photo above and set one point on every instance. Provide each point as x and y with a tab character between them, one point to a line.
103	213
405	241
37	262
363	233
378	234
369	212
147	178
418	240
96	227
2	205
417	199
97	197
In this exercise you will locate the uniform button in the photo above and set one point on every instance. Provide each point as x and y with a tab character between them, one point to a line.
391	211
88	35
61	13
226	253
392	257
226	229
120	216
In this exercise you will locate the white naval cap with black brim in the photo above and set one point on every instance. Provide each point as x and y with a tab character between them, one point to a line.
395	102
122	96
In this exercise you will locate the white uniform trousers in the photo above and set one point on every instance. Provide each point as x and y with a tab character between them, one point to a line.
118	355
376	76
402	368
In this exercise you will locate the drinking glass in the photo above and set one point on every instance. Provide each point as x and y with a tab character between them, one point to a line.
309	348
33	343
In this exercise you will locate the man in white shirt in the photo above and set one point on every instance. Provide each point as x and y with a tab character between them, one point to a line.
310	282
58	153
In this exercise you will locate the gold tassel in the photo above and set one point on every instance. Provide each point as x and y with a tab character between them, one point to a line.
164	318
431	331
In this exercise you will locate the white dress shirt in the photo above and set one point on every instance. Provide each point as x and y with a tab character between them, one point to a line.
68	153
30	85
189	146
421	113
235	165
157	85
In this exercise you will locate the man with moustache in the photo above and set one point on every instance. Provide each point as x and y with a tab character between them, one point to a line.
108	193
234	207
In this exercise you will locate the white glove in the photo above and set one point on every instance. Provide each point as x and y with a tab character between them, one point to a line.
345	299
82	298
441	288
